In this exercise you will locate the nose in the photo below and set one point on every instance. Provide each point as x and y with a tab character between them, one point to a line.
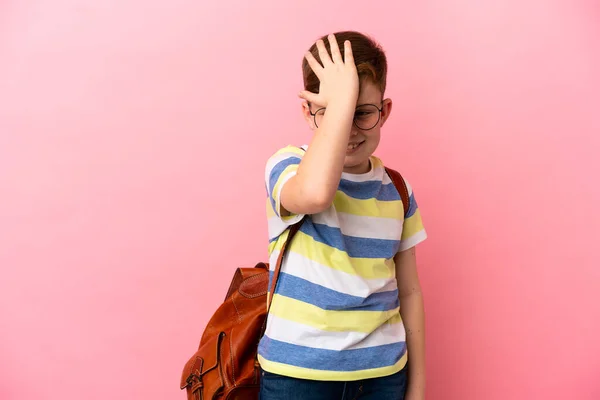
354	130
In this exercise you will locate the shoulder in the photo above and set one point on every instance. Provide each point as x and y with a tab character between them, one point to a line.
285	158
289	151
389	170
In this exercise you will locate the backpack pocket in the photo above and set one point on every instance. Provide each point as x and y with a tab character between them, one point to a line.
202	375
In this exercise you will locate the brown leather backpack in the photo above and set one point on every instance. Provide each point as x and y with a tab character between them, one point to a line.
226	365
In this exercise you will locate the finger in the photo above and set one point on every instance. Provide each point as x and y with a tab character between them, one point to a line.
308	96
348	55
314	64
335	49
323	55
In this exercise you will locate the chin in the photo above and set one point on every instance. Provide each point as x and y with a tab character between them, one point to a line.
358	158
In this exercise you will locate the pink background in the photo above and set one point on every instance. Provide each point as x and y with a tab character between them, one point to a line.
133	137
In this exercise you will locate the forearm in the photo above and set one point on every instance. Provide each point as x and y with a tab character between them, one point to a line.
413	317
322	165
317	178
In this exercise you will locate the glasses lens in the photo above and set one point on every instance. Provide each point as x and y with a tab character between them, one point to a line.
319	117
366	117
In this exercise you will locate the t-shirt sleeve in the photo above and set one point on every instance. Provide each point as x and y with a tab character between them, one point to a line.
281	166
413	231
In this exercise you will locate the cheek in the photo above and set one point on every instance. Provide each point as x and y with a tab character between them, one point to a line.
374	139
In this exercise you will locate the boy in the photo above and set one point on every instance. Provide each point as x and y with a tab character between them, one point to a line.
335	328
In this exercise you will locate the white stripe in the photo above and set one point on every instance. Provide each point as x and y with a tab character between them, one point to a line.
377	174
413	240
361	226
276	225
301	267
410	189
386	180
308	336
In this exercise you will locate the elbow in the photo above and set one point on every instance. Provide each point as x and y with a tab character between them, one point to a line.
410	293
320	201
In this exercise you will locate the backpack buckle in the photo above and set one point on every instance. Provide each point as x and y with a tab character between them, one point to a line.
195	382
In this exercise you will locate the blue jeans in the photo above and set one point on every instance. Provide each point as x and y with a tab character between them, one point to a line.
277	387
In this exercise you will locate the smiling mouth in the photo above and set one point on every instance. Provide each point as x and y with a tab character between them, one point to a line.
353	146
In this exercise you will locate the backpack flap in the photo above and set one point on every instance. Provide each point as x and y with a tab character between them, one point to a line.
242	274
192	371
202	373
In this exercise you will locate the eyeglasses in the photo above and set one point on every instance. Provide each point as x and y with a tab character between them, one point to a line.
366	116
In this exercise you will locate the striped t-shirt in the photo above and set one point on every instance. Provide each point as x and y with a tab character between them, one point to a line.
335	311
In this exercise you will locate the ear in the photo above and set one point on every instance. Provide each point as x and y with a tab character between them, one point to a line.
307	117
386	110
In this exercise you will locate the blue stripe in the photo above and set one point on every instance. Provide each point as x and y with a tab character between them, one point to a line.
369	190
329	299
274	175
331	360
354	246
278	169
412	206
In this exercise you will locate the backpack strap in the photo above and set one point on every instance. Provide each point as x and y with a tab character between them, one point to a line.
400	185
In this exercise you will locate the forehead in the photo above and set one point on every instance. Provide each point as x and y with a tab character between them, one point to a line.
369	93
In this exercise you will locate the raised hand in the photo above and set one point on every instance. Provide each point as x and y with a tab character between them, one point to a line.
338	77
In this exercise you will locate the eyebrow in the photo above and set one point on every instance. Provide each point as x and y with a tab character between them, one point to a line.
366	104
358	105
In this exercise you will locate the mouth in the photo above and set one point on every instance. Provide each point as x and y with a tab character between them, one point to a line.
353	147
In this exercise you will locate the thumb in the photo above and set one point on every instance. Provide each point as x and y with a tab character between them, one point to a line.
308	96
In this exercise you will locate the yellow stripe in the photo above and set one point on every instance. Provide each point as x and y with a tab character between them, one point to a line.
412	225
327	320
270	211
318	374
289	217
368	268
275	244
377	163
278	244
368	207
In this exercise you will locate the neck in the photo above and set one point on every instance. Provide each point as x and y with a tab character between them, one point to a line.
361	168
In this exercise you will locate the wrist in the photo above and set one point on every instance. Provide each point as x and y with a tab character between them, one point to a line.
343	102
338	118
416	377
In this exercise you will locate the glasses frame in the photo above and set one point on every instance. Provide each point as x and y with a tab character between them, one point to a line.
314	115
